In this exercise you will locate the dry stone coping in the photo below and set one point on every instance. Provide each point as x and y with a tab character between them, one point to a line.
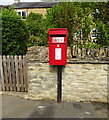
41	54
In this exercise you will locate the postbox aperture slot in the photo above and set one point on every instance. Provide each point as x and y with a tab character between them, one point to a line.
57	35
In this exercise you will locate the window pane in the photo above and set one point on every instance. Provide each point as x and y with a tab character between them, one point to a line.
23	14
19	13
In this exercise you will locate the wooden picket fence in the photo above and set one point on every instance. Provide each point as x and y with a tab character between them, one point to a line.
14	73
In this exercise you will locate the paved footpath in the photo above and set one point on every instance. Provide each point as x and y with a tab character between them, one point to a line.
15	107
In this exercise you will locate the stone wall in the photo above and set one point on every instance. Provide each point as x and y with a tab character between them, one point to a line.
94	54
40	54
82	80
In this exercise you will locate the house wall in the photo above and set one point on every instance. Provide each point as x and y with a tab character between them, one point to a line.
38	10
35	10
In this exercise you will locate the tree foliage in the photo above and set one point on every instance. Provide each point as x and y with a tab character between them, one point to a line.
14	33
101	18
81	18
72	16
0	32
36	29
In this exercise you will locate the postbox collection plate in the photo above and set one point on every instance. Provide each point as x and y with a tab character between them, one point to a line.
58	39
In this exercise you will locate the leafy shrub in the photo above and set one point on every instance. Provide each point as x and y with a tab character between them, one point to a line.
34	41
91	45
72	16
35	25
103	36
14	33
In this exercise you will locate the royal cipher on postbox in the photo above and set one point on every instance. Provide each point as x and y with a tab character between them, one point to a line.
57	46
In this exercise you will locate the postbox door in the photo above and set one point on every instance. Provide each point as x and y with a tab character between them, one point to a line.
57	54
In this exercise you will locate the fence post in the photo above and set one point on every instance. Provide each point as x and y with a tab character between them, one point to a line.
17	73
9	72
5	73
1	75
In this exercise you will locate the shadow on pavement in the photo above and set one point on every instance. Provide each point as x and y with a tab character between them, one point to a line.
44	110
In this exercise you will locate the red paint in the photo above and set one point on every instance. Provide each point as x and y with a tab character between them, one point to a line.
57	46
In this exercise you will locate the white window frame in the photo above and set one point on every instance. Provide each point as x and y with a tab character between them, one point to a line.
21	11
92	32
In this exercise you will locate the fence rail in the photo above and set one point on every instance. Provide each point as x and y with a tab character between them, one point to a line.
14	73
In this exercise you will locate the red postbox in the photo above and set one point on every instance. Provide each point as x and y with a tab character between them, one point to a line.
57	46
